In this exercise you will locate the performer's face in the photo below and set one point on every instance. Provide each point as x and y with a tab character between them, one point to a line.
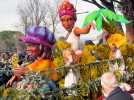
67	22
32	50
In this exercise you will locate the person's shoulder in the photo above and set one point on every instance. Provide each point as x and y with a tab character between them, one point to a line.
118	94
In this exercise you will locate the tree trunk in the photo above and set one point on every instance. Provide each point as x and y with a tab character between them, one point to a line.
130	32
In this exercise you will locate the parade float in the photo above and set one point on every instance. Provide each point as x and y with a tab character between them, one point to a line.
93	62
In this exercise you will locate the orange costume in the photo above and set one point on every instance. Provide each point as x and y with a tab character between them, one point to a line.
44	65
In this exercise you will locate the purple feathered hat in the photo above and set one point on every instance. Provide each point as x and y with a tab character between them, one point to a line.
39	35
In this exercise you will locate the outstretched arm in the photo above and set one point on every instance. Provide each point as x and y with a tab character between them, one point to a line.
18	72
85	30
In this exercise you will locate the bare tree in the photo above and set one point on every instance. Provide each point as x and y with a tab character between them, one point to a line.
105	3
35	12
24	19
52	17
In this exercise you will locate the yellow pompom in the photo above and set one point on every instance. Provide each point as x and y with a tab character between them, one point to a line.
117	39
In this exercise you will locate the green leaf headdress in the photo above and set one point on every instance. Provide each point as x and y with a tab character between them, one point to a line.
103	14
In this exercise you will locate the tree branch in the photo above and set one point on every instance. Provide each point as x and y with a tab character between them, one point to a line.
95	3
109	5
88	1
120	2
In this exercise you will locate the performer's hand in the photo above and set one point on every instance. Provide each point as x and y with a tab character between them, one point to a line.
19	71
91	25
10	82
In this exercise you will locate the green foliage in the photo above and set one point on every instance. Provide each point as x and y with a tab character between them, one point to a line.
9	39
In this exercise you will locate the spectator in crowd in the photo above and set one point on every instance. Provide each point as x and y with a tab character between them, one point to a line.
111	89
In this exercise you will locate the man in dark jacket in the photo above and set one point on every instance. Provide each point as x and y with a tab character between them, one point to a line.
118	94
111	90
